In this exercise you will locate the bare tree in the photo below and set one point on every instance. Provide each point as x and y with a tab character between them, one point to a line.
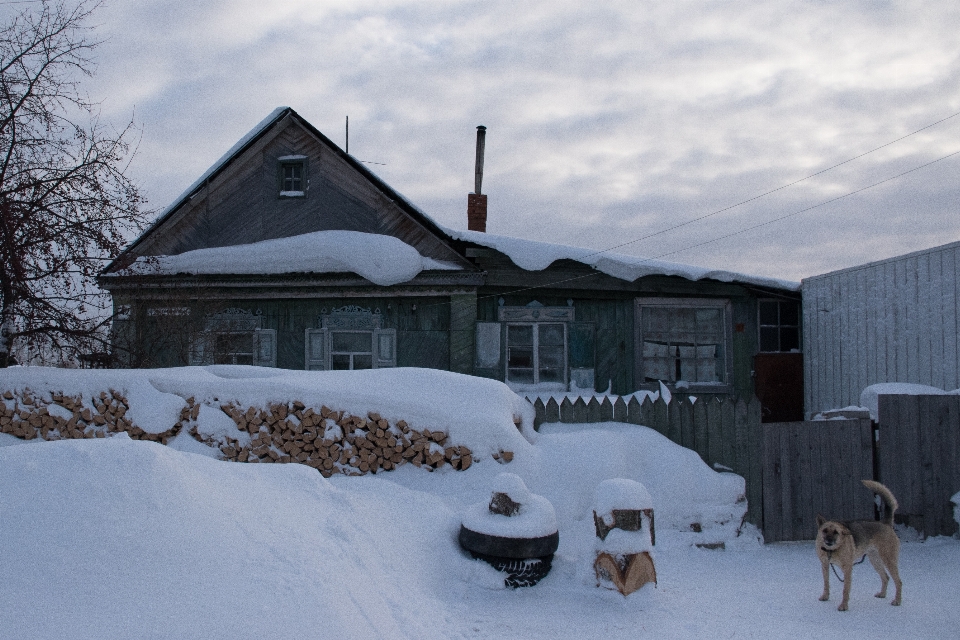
65	204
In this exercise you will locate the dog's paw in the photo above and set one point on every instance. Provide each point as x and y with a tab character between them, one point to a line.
842	607
880	594
896	602
824	597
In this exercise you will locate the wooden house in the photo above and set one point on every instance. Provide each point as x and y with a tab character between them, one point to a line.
290	253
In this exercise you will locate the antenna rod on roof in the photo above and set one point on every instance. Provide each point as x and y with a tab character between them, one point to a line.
347	149
478	172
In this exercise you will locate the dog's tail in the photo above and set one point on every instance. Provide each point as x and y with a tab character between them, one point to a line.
887	496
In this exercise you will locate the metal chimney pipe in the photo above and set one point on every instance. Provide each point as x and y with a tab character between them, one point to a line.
478	172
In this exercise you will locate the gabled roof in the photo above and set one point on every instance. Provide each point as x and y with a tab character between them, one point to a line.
250	139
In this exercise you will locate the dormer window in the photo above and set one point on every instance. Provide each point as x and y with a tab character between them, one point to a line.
293	176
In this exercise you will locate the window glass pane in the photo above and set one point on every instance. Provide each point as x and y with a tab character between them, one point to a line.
519	335
551	357
769	339
293	177
789	313
551	375
685	320
708	321
363	362
769	312
520	357
243	358
521	376
657	320
789	338
351	341
682	343
340	362
551	334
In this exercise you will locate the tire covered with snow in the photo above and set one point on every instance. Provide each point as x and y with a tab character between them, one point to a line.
512	548
520	572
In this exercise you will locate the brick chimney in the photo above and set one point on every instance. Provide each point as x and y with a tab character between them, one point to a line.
476	202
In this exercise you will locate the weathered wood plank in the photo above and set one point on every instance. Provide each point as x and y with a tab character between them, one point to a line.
620	411
552	411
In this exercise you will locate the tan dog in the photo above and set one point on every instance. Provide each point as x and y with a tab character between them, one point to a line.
843	543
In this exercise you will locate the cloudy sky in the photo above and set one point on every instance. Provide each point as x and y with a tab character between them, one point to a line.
606	122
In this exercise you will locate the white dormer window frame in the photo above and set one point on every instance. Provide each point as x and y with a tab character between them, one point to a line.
292	178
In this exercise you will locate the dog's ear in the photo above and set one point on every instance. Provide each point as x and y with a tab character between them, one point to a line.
820	520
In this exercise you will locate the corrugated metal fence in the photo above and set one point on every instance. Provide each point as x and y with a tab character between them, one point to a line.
723	430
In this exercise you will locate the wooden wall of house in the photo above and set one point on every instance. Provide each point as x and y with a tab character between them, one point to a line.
896	320
242	204
609	303
422	324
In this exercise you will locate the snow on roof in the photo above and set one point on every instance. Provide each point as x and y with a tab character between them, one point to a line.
536	256
383	260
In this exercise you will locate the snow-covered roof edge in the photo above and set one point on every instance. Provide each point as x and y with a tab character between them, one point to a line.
532	255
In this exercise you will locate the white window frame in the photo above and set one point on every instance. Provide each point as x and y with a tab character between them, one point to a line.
292	161
235	322
725	362
318	343
537	384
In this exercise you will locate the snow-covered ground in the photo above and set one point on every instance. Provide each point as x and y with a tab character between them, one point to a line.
117	538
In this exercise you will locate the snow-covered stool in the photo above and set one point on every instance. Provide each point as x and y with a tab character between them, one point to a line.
623	517
515	532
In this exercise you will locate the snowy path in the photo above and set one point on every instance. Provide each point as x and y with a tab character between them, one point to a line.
767	592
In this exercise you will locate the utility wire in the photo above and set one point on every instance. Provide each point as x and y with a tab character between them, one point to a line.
780	188
744	230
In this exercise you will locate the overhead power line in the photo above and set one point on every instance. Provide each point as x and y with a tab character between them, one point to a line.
740	231
780	188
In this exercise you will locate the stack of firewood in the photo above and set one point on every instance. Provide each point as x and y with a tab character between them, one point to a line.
30	417
327	440
337	442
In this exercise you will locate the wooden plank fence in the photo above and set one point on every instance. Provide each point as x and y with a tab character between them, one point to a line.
815	467
919	458
723	430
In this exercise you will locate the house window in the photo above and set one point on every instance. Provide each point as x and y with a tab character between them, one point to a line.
293	176
234	336
350	338
351	350
779	325
683	341
537	353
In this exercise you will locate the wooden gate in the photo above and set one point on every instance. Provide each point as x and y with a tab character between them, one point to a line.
919	458
814	467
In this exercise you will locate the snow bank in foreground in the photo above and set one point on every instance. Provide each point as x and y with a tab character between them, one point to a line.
115	539
869	397
383	260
